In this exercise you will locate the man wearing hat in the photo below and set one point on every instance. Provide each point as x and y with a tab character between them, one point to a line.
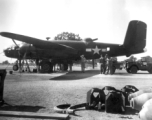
102	64
83	60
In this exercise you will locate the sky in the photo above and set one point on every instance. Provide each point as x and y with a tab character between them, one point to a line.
106	20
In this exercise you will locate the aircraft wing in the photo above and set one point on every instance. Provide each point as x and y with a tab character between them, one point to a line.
42	44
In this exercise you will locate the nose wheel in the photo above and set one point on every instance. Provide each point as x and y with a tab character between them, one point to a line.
15	67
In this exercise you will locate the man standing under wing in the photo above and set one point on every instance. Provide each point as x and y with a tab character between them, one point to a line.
102	64
83	60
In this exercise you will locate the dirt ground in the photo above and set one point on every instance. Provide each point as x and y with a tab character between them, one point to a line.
32	92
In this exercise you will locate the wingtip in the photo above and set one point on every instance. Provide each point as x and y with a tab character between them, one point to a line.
3	33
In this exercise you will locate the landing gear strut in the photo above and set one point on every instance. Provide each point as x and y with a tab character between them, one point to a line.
65	66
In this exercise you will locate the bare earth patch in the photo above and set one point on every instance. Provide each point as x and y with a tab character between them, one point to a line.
32	92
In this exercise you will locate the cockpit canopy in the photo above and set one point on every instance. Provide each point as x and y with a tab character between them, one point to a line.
16	47
13	47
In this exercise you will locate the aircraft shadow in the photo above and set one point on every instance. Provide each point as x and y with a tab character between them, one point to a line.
75	75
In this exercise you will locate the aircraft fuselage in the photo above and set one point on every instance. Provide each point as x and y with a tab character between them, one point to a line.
91	50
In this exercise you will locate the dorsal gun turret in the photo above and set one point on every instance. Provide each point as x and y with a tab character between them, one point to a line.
89	40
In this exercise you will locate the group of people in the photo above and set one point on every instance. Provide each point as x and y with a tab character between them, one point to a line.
106	65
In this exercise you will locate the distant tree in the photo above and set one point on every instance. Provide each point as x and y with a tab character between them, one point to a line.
5	62
68	36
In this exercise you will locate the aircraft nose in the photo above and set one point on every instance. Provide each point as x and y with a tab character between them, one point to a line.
11	53
6	52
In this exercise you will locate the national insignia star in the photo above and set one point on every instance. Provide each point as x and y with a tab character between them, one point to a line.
96	50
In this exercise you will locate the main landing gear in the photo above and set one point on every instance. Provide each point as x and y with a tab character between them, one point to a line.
43	66
47	67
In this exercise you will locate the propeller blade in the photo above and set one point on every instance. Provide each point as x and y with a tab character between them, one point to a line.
15	42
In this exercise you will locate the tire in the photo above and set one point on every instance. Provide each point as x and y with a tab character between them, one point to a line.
133	69
46	67
15	67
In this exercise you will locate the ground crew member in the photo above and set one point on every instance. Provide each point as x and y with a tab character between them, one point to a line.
111	66
102	64
107	64
70	65
83	60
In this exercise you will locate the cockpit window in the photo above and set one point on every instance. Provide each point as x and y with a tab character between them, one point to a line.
13	47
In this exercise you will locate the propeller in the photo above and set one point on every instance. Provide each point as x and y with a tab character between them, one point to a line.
19	53
15	43
17	48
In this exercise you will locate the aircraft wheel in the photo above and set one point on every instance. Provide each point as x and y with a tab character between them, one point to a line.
46	67
15	67
133	69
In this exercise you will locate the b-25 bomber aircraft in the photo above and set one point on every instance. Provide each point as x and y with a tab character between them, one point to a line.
66	51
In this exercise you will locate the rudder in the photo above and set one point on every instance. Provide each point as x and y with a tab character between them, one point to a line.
136	36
